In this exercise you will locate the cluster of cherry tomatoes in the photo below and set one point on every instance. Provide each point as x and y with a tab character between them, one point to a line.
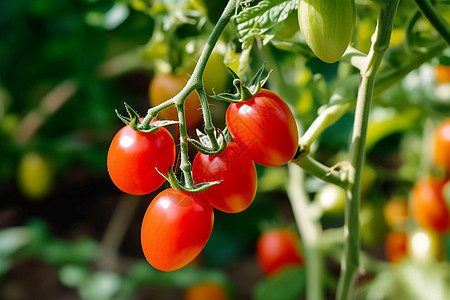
177	225
428	207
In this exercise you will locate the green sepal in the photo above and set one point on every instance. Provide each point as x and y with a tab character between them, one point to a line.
244	92
179	186
135	123
204	146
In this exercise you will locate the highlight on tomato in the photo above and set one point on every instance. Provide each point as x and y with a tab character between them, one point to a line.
164	87
238	174
134	158
265	128
277	249
441	145
175	228
396	246
207	290
429	208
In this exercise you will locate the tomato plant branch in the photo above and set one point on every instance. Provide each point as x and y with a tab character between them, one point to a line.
319	170
310	231
438	22
351	260
389	78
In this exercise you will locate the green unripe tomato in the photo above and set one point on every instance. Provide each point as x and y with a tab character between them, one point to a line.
34	176
327	26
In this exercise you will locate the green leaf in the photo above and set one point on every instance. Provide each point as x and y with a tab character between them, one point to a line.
258	20
287	285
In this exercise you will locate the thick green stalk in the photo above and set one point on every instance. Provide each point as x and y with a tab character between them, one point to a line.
310	232
350	260
435	19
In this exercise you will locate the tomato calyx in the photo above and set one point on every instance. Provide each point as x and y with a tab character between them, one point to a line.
138	124
244	92
205	145
180	185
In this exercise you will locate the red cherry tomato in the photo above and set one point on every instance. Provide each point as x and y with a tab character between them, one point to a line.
395	246
441	145
277	249
265	128
429	207
175	228
238	188
133	158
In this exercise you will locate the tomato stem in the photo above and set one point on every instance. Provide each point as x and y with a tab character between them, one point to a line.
319	170
351	260
438	22
209	127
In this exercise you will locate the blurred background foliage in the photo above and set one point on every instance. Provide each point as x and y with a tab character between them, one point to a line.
66	232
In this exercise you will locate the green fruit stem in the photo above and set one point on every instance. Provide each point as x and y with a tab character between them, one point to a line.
350	260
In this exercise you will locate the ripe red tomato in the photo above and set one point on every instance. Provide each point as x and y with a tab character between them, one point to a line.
175	228
429	207
277	249
265	128
441	145
395	246
206	291
165	86
238	188
133	158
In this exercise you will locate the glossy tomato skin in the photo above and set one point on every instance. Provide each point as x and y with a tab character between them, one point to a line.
265	128
175	228
133	158
396	246
441	145
165	86
429	207
238	188
277	249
